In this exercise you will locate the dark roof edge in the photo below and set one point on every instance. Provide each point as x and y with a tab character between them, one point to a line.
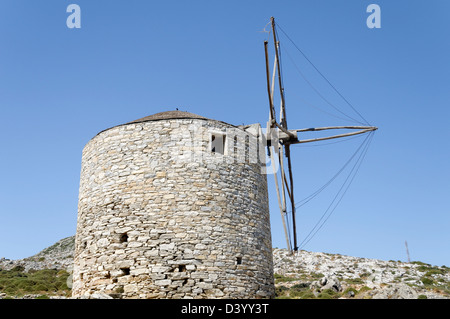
152	118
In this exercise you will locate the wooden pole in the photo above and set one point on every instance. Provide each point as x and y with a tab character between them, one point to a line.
291	179
283	121
279	201
272	114
332	137
283	178
313	129
273	77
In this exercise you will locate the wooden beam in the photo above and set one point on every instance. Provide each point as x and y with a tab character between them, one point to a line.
314	129
333	137
271	114
291	179
273	77
283	121
279	201
283	177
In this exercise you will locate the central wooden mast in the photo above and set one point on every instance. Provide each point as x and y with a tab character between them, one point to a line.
288	136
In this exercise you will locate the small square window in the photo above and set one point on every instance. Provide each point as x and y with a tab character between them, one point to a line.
217	144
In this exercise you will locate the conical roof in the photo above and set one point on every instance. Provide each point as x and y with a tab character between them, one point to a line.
169	115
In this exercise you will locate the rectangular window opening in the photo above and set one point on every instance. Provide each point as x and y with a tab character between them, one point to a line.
218	143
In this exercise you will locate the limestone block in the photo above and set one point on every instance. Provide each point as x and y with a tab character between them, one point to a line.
163	282
137	272
130	288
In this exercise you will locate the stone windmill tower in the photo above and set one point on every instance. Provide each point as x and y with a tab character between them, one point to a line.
174	205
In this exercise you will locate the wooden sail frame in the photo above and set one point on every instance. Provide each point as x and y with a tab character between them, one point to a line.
362	130
285	138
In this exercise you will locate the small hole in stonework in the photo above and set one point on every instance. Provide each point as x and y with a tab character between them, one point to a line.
238	260
124	238
125	271
181	268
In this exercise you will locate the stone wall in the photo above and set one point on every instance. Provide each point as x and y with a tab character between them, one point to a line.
161	216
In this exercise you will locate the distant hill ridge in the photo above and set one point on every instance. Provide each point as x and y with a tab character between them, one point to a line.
306	274
58	255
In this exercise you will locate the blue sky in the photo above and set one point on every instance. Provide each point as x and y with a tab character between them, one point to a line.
59	87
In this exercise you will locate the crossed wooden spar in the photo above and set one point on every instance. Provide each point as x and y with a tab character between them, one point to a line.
279	139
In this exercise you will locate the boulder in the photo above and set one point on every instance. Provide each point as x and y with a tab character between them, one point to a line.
397	291
329	282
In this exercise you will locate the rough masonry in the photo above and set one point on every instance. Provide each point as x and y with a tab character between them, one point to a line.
173	205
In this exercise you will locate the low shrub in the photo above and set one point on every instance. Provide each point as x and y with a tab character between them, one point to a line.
16	282
329	294
281	278
427	281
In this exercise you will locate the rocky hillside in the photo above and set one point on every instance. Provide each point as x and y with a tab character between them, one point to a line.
57	256
306	274
321	275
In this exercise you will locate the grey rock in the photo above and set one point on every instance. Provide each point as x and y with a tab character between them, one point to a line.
327	283
350	294
399	291
333	284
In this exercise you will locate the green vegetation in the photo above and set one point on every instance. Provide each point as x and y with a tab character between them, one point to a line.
432	279
365	275
350	289
363	289
281	278
431	270
427	281
316	275
328	294
298	291
354	281
16	282
420	263
302	291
